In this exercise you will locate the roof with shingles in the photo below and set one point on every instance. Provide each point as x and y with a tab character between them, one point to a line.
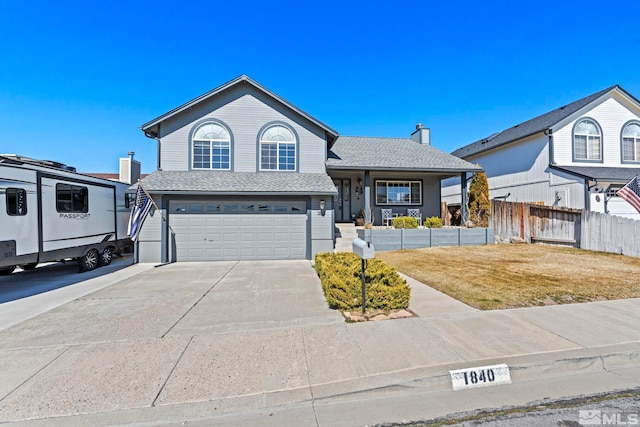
531	127
606	174
402	154
217	182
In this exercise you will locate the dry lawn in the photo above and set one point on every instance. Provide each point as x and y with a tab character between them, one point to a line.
507	276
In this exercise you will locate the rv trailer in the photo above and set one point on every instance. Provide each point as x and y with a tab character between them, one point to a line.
49	212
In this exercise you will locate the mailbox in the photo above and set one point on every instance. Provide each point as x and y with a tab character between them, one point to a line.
363	249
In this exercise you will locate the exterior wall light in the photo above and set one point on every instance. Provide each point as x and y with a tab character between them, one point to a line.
323	207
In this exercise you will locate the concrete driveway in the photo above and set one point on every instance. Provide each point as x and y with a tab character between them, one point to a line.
254	343
170	334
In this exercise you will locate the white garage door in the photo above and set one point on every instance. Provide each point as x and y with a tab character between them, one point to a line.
211	231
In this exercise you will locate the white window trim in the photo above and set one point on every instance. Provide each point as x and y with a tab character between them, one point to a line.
398	181
635	141
278	144
210	142
589	138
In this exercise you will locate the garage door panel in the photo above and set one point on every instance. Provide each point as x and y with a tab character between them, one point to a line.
248	221
231	221
281	237
214	221
196	222
216	236
247	238
264	221
264	252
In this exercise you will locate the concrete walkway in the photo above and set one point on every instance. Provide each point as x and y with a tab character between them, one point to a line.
253	343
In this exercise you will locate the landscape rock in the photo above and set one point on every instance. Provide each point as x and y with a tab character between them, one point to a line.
400	314
517	240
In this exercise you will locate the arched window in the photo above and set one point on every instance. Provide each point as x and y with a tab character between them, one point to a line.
631	142
587	141
278	149
211	147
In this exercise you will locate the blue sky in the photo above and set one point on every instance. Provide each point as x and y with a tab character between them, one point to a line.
78	78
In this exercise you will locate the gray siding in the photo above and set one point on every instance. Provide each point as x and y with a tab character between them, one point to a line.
245	111
521	170
150	239
430	192
321	227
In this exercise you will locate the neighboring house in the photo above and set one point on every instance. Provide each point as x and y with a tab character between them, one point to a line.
244	174
576	156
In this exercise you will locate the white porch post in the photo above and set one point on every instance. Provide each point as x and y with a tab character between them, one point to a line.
367	197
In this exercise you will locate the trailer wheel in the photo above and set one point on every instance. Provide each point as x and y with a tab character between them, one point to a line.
89	261
106	256
31	266
5	271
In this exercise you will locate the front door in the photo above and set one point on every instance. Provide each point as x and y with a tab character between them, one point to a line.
342	200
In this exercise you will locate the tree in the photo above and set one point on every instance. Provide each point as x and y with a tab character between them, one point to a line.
479	204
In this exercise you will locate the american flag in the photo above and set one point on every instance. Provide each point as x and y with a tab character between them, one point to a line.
631	193
139	211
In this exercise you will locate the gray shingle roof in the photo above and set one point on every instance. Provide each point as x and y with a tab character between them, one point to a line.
216	182
607	174
354	152
530	127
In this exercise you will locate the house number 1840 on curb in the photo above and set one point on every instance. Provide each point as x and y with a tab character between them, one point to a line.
482	376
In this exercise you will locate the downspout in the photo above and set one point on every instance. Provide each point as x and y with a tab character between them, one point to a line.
157	138
587	197
552	158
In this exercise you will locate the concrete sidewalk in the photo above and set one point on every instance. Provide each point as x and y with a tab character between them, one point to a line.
253	343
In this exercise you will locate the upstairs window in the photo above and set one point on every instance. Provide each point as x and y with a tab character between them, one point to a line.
211	147
16	201
587	141
278	149
631	142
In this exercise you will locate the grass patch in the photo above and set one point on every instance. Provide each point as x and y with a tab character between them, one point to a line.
508	276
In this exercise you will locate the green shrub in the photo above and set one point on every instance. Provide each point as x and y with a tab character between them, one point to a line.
340	277
405	222
433	222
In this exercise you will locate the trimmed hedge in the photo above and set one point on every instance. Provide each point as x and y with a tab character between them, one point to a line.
433	222
405	222
342	285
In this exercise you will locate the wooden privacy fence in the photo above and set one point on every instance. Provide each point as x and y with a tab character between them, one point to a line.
563	226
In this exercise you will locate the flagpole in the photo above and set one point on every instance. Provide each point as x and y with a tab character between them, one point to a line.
155	206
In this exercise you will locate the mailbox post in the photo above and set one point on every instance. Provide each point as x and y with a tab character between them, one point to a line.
365	251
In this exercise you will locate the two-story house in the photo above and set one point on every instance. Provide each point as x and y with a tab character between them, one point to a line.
576	156
245	174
